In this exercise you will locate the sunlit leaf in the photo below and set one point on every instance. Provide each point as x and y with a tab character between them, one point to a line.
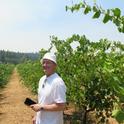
106	18
87	10
97	14
116	12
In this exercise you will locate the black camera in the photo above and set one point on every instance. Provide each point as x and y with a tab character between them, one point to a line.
29	102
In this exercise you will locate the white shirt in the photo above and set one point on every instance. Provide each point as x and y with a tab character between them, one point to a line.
51	90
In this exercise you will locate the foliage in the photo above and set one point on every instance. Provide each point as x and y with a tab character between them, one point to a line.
113	15
30	72
93	72
5	71
119	115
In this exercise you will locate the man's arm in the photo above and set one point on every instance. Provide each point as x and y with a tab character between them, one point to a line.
51	107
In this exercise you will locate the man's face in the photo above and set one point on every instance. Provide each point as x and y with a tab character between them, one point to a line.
48	67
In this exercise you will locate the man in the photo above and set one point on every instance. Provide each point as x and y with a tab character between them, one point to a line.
51	94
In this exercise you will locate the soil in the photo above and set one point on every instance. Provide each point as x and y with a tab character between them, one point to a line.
12	107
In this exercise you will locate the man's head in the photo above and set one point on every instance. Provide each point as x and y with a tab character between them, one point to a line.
49	63
50	56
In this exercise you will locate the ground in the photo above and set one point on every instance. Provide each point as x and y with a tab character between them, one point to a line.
12	108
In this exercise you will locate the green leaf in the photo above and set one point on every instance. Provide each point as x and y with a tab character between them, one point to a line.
117	22
72	9
77	7
97	14
95	9
119	115
121	90
119	29
116	79
116	12
87	10
66	8
82	5
107	17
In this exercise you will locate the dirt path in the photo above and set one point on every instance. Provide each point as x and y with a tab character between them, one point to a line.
12	108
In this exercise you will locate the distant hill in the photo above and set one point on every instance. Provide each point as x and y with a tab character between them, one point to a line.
16	57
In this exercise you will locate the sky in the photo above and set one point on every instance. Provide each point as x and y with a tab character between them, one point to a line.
26	25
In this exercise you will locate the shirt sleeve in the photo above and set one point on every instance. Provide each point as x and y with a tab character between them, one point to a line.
60	92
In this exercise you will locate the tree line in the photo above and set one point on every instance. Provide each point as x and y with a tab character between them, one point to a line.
16	57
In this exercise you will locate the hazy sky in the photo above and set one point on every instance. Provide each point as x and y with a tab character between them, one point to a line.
26	25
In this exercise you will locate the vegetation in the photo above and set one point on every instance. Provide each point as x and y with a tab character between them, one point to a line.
16	57
93	73
30	74
5	71
113	15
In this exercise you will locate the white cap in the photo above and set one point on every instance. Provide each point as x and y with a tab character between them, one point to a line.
50	56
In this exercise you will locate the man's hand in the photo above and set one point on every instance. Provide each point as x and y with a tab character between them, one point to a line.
36	107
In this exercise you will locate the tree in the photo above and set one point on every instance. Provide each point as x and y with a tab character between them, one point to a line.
93	73
113	15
